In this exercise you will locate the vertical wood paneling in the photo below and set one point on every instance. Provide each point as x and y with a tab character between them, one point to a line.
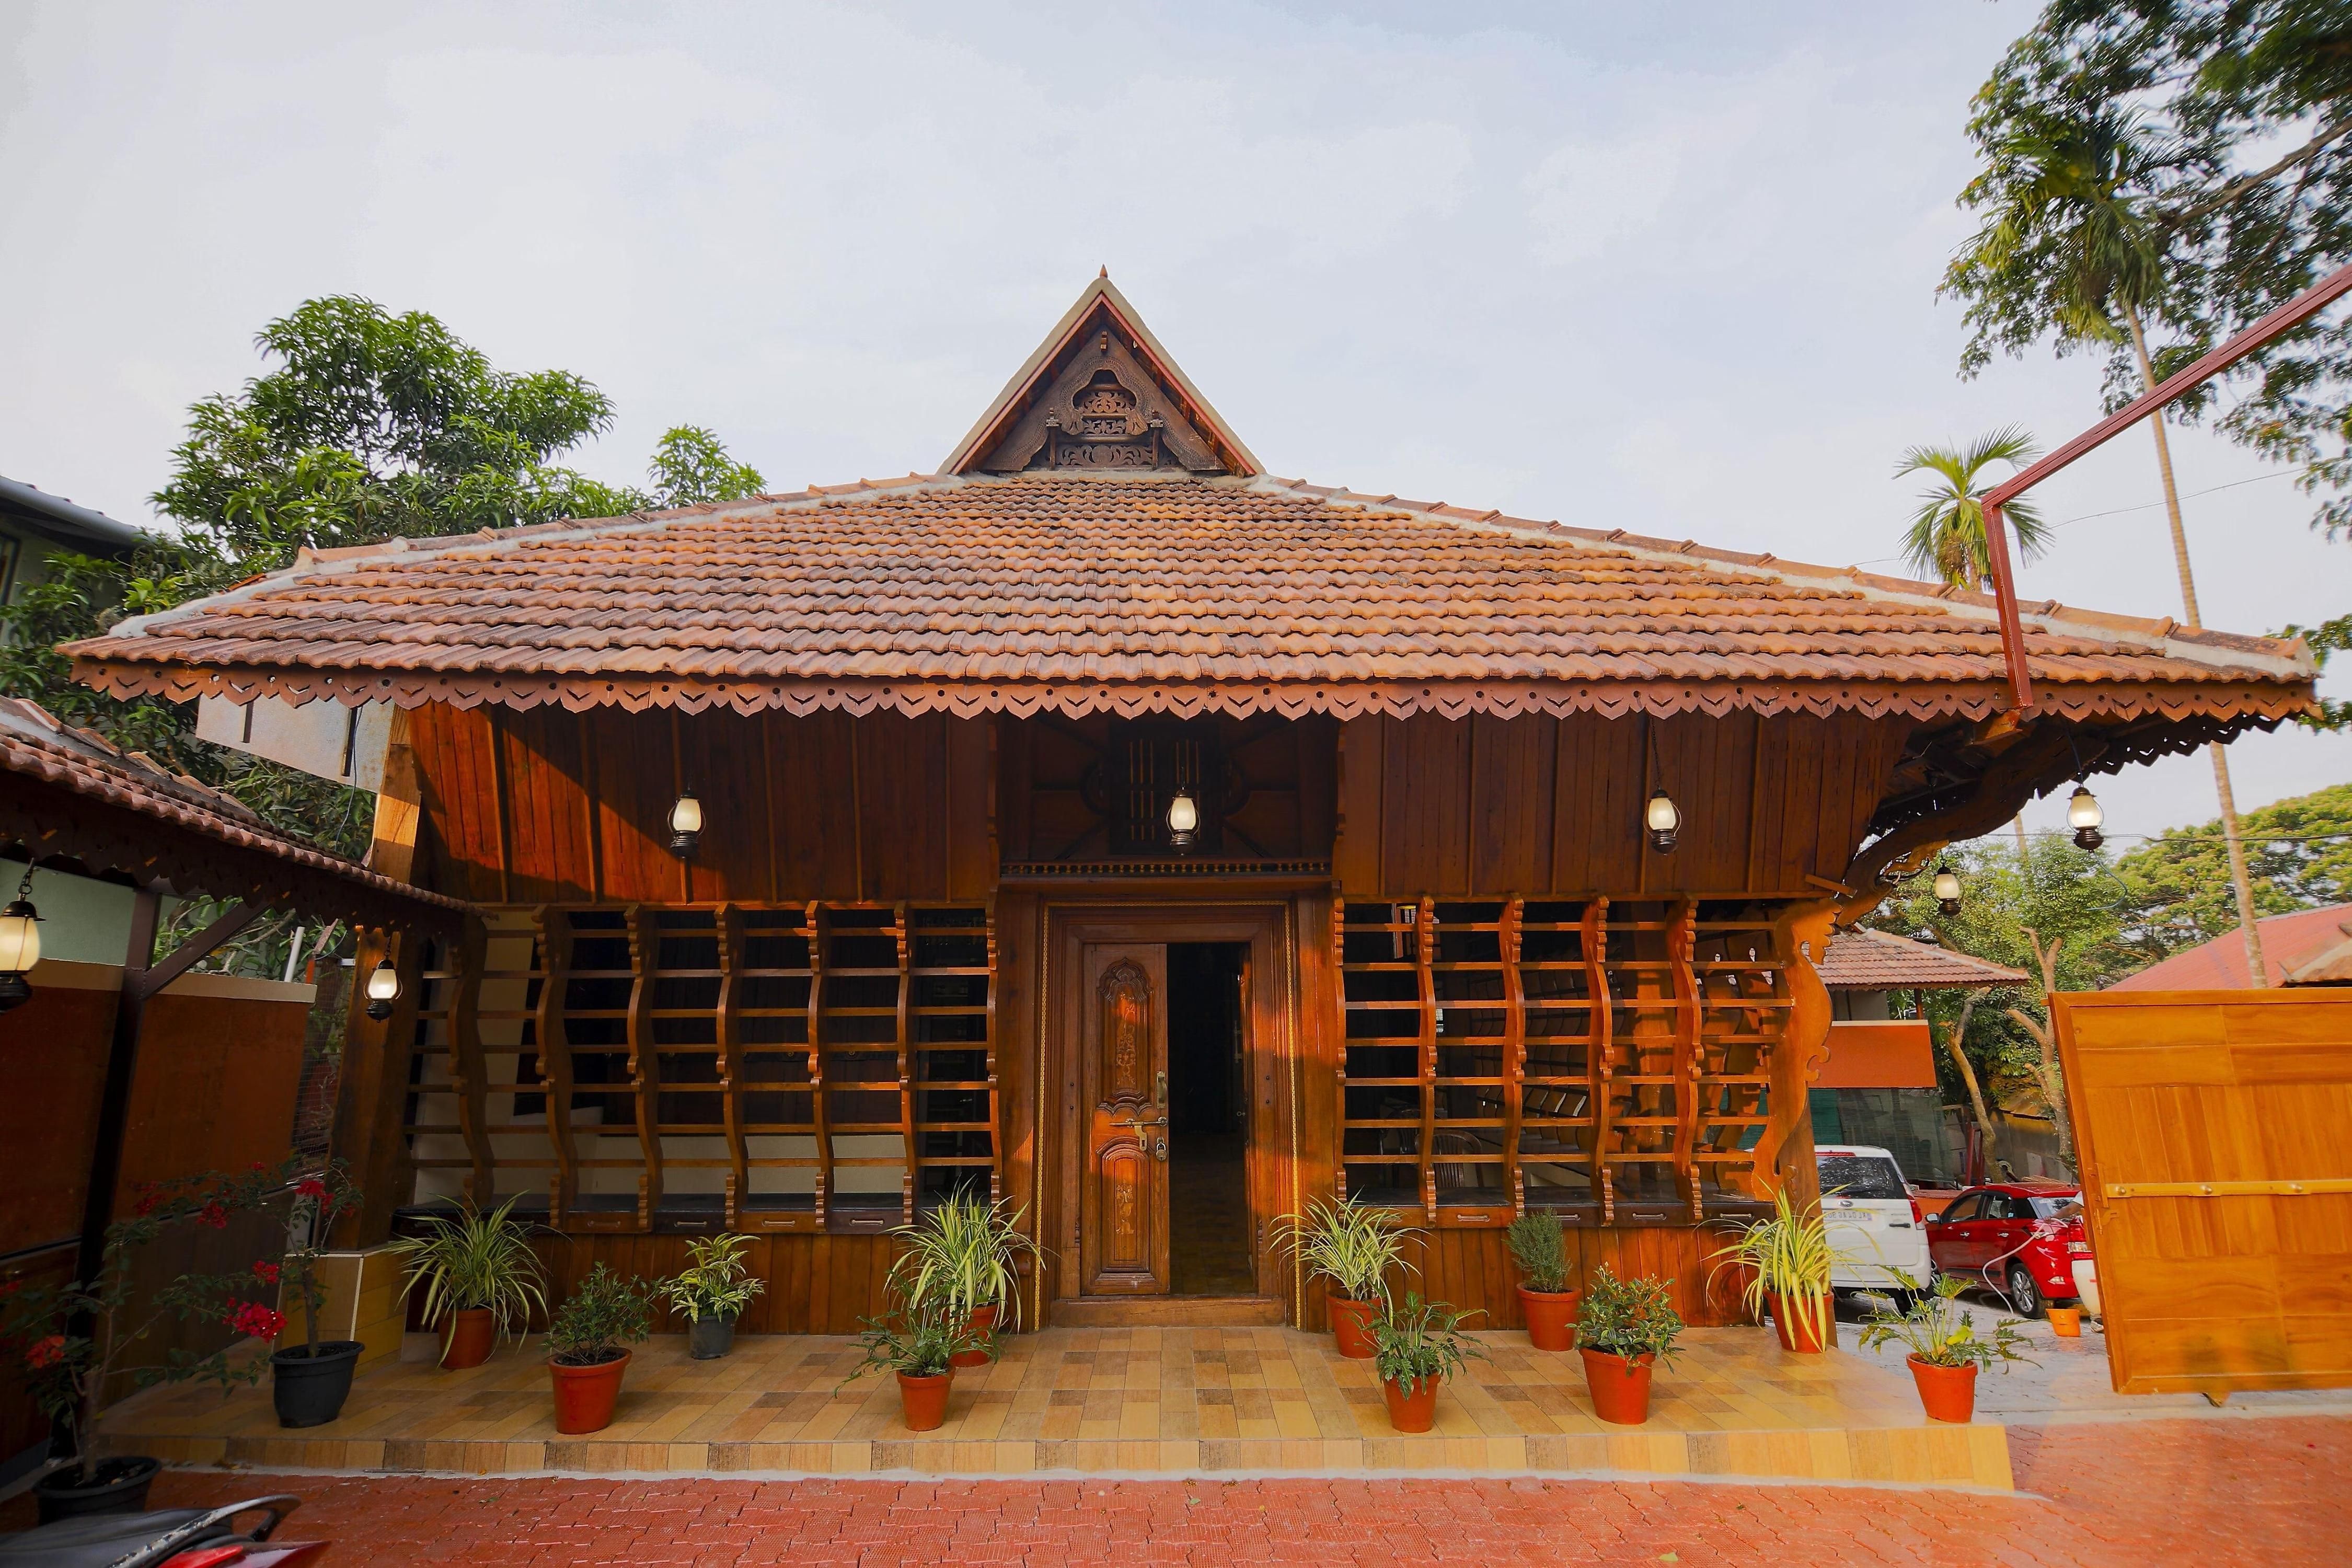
1425	804
1511	803
1356	842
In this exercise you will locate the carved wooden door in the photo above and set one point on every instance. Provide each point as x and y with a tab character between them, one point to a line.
1124	1248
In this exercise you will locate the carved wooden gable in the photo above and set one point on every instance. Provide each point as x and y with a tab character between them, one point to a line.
1101	394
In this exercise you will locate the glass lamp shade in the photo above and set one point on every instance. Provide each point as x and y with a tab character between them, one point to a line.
20	937
382	989
684	826
1948	890
1663	818
2085	814
1184	817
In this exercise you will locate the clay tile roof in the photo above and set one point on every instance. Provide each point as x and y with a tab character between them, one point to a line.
2291	944
1866	960
1167	591
67	792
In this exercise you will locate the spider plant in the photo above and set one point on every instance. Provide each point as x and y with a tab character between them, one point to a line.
1788	1255
1350	1244
1421	1341
471	1259
961	1256
716	1281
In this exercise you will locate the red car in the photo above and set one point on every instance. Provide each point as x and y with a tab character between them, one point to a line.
2020	1238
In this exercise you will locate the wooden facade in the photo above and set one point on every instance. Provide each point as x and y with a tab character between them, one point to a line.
867	987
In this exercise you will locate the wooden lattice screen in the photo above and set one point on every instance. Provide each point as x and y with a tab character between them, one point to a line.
1577	1056
772	1068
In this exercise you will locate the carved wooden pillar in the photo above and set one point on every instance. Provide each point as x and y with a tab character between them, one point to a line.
1784	1156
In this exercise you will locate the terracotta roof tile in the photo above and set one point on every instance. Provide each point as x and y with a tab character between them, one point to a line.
1866	960
1162	591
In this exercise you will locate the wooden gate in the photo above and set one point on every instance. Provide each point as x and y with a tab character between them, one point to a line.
2215	1134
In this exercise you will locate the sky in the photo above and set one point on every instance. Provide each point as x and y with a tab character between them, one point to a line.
1668	268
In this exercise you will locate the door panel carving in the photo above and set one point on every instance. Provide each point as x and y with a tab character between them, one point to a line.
1125	1236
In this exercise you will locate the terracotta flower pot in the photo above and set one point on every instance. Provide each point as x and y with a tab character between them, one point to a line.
983	1321
925	1400
467	1337
1414	1412
1619	1386
1551	1318
1948	1392
585	1395
1795	1321
2066	1322
1352	1325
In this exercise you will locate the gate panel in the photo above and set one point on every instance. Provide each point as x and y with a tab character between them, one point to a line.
2214	1129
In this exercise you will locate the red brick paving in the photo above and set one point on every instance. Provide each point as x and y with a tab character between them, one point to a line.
2140	1494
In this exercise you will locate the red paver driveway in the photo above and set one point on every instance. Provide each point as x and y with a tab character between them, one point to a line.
2134	1494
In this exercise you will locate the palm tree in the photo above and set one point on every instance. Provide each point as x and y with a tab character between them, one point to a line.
1947	536
2067	227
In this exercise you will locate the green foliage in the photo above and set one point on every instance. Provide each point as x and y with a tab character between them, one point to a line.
716	1281
1788	1255
1627	1318
604	1313
2327	638
1947	538
364	426
961	1254
919	1341
67	1339
1422	1341
1350	1244
318	1200
1540	1250
469	1259
2298	857
1939	1333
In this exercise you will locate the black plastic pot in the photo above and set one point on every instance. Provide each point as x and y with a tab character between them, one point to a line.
710	1338
309	1390
119	1486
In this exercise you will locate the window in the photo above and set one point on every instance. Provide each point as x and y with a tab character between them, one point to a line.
1861	1176
1963	1208
2056	1208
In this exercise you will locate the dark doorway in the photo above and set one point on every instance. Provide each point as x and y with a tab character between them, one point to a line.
1210	1250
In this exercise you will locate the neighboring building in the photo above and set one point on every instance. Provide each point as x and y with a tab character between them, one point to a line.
1058	812
2291	943
1878	1087
33	524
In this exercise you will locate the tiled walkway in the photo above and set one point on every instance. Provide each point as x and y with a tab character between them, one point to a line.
2105	1495
1134	1401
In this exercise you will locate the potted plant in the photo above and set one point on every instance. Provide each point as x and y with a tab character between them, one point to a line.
1625	1327
481	1280
1353	1245
1540	1248
309	1383
963	1255
919	1344
1415	1347
712	1292
584	1338
70	1341
1945	1353
1787	1260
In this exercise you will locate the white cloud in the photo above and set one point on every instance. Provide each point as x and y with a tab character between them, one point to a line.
1584	198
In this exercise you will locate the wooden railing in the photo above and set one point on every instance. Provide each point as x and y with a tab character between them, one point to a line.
766	1066
1506	1054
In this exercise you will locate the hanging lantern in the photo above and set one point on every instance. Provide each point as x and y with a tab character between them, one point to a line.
1948	889
1664	819
1184	817
686	825
382	990
2083	814
20	945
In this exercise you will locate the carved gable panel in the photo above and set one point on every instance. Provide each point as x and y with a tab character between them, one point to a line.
1102	408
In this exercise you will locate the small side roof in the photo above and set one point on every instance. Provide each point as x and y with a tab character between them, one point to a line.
2289	943
1866	960
64	525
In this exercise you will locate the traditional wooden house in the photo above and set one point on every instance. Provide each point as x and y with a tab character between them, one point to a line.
1105	824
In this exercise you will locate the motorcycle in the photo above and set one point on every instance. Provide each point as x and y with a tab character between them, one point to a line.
169	1538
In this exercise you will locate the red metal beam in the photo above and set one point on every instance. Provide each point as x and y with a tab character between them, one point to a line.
2294	312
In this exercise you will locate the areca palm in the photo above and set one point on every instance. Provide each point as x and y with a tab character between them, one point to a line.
1947	536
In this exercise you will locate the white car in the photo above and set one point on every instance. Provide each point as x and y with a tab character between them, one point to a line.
1874	1227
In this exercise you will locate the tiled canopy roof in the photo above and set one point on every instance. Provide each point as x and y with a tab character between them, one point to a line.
67	792
2290	944
1866	960
1137	593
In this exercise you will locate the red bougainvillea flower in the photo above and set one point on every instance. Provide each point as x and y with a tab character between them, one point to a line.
311	1187
147	1202
266	1271
255	1321
46	1352
259	1166
213	1214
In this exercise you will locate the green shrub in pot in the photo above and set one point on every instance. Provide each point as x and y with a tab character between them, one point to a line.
1416	1345
711	1291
